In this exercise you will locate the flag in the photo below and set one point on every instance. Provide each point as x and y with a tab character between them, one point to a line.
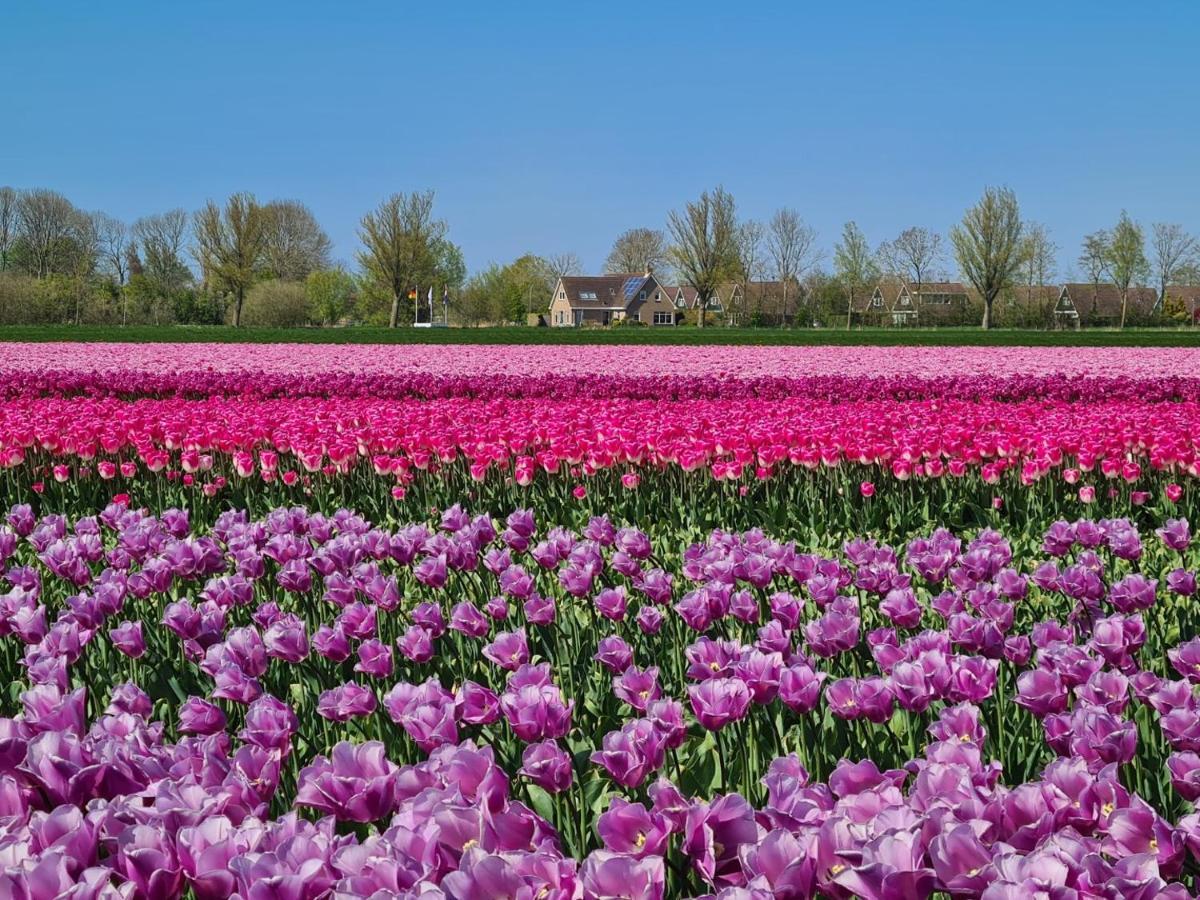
430	296
445	295
412	293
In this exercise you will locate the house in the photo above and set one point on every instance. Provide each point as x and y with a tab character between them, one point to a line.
896	302
605	299
764	302
1100	304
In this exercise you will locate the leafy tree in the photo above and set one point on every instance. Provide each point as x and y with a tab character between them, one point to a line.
854	265
987	245
8	224
401	241
1125	258
277	304
705	244
330	294
231	246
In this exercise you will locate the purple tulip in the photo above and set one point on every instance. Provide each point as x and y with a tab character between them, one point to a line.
356	783
348	701
631	829
637	687
548	766
127	637
198	716
614	654
719	701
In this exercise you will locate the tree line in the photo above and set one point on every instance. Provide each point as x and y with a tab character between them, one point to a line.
264	263
271	263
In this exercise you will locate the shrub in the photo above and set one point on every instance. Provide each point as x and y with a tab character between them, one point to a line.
277	304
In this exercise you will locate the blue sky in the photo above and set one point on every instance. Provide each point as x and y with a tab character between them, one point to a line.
550	127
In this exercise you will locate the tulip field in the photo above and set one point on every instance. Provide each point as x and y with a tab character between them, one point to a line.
284	622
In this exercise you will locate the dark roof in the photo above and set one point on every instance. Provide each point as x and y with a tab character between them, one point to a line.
600	291
1105	300
953	288
1184	292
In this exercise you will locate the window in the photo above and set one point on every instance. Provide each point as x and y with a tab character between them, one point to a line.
637	317
587	295
876	301
657	296
663	318
642	295
562	295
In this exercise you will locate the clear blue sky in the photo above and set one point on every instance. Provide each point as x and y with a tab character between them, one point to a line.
549	127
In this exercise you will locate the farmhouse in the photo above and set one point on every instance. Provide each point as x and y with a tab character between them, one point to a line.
605	299
1100	304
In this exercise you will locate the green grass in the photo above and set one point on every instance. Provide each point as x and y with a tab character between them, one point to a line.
676	336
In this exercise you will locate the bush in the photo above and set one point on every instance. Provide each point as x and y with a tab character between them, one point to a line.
277	304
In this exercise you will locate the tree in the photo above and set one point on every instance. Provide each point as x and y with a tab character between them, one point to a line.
400	244
1175	252
987	245
1125	258
637	250
156	260
562	264
1038	253
330	294
705	243
1092	255
912	254
854	265
112	239
231	245
791	248
295	243
8	224
46	221
272	303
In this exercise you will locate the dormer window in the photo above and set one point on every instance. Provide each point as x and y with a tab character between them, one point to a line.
642	295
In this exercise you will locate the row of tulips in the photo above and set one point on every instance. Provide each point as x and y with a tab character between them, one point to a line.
478	708
530	438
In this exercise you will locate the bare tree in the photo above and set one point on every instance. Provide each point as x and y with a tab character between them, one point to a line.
111	238
45	221
296	245
637	250
562	264
1175	252
987	245
704	251
912	255
855	265
1038	253
791	246
231	244
400	243
8	223
158	246
1125	258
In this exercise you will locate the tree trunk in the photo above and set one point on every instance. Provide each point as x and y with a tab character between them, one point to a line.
849	310
1124	304
700	314
987	313
394	318
239	296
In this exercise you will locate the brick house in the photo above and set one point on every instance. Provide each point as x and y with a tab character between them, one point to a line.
605	299
1185	298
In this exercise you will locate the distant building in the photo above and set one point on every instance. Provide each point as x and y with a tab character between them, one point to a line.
1083	303
605	299
1183	298
896	302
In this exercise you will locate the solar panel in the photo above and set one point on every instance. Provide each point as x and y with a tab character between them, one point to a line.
631	286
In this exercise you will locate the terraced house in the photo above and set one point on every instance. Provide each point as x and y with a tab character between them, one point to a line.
907	303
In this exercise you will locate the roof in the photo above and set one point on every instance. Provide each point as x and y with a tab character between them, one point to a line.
939	287
1184	292
1105	300
602	291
